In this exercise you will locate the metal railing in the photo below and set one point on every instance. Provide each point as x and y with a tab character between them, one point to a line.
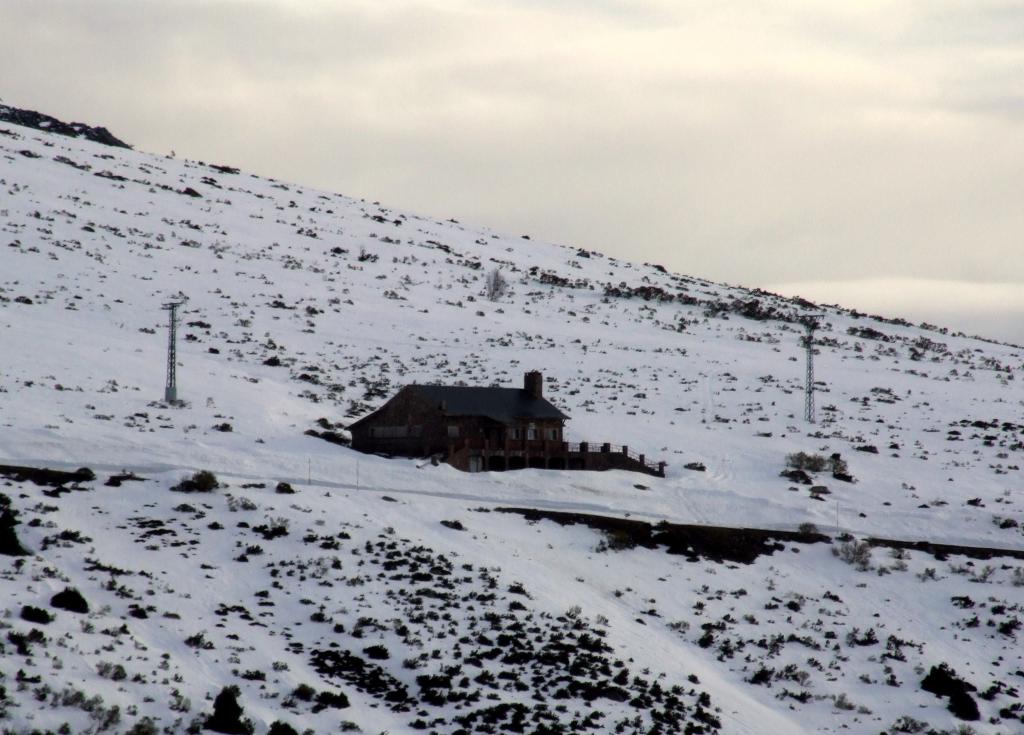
550	446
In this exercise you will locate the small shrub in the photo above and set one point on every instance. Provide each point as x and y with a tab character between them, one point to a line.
145	726
798	476
35	615
616	539
942	681
202	481
984	574
199	641
330	700
114	672
283	488
84	474
808	528
854	637
304	693
837	465
377	653
277	727
842	702
71	600
240	503
179	702
906	723
227	714
807	462
495	285
963	706
10	545
762	676
857	553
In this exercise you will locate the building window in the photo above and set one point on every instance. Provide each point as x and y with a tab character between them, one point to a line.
553	434
453	431
531	432
515	433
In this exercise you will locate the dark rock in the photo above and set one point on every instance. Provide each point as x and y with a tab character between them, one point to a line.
39	121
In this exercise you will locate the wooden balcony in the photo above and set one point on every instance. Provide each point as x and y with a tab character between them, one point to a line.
481	453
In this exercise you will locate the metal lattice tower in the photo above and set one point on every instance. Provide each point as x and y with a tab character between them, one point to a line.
810	324
171	389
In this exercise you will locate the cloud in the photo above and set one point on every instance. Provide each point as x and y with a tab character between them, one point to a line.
993	310
747	141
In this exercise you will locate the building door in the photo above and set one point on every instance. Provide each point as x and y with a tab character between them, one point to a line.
476	464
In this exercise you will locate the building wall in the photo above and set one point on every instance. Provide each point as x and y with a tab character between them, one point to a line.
405	425
408	426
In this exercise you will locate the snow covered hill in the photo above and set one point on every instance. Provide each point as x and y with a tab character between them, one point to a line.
395	595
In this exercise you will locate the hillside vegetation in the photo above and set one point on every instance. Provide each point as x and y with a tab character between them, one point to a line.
298	585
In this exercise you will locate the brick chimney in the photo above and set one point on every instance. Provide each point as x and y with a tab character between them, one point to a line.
533	383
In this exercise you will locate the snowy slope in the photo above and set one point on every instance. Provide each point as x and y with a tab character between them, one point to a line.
308	309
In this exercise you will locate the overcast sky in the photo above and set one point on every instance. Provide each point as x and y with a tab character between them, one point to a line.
862	152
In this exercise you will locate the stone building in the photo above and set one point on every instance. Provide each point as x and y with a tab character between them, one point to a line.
485	429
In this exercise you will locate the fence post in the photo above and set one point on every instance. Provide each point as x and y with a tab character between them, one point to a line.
606	447
625	450
583	448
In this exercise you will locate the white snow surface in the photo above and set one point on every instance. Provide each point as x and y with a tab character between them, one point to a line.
354	300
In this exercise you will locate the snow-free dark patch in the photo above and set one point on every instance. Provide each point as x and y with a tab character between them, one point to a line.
715	543
39	121
46	477
329	436
118	479
943	551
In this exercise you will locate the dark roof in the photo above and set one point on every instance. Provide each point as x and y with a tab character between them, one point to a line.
500	404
